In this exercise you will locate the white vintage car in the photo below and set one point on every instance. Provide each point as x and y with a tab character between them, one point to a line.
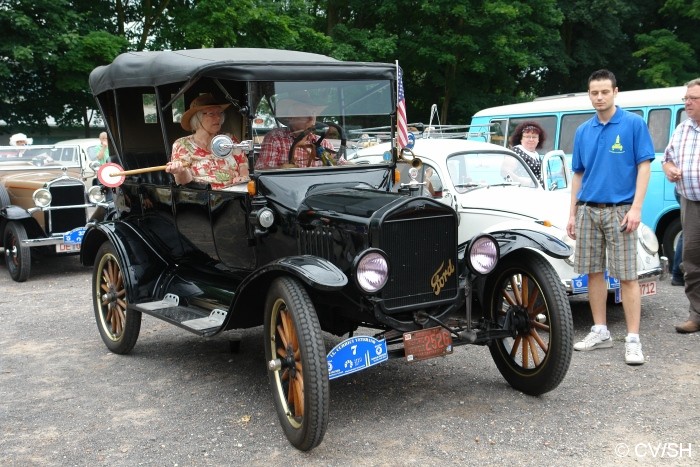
493	189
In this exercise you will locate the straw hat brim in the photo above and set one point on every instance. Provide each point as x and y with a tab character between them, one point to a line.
187	116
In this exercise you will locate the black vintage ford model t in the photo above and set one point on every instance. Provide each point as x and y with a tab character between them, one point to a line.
337	248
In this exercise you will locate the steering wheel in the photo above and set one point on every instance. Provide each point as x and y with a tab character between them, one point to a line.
316	150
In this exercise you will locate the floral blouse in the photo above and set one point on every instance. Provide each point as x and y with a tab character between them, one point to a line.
206	167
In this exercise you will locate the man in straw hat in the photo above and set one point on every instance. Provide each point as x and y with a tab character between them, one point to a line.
298	113
192	159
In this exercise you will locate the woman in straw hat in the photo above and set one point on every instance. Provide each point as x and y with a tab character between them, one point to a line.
192	159
298	114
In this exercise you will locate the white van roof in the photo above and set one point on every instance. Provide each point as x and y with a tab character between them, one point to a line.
581	102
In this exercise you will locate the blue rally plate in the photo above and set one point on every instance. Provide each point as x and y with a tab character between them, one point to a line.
355	354
74	237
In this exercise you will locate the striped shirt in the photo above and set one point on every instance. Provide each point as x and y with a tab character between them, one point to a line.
684	151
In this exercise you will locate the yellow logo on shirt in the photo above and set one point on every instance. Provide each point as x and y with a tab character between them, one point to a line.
617	147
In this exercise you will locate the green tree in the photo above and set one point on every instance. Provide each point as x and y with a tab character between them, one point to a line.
45	62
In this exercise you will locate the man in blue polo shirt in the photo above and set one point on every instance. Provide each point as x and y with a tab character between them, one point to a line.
611	164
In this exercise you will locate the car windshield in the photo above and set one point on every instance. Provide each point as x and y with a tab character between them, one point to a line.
476	169
342	110
26	157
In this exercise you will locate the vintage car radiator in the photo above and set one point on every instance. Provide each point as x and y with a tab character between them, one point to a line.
421	252
64	220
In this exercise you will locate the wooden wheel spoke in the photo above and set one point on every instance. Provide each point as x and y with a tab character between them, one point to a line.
516	290
299	395
533	349
543	345
524	351
514	350
283	335
526	290
538	325
508	297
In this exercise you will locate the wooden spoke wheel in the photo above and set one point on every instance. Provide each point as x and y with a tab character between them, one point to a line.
118	326
298	369
528	298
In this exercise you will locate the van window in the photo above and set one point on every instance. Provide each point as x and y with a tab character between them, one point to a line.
499	130
548	124
659	124
569	124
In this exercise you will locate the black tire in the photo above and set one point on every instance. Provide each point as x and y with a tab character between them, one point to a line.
668	243
300	380
17	256
537	359
119	327
4	197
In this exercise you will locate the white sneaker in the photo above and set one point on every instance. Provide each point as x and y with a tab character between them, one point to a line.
594	341
633	353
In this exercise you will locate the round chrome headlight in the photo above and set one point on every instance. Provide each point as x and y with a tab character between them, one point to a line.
372	271
483	254
42	198
648	239
265	217
96	195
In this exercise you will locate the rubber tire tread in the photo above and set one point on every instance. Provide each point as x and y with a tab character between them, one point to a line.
556	364
19	272
315	364
4	197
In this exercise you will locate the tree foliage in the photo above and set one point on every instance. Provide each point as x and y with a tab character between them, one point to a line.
460	54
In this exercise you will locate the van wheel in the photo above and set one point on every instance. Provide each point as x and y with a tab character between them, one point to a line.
17	256
119	327
668	243
297	365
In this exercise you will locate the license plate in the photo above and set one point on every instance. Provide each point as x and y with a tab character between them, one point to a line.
427	343
74	237
647	288
67	248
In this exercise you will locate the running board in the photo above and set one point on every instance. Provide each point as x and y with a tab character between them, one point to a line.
195	320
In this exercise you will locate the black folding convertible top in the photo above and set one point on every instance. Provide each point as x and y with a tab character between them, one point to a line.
149	69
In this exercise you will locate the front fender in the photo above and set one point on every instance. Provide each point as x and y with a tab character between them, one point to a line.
515	239
140	263
15	213
316	273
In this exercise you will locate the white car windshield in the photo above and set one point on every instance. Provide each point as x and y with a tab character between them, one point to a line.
471	170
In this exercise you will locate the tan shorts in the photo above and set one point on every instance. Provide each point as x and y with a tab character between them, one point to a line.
599	242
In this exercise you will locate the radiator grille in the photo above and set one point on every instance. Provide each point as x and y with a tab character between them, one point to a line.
417	249
64	220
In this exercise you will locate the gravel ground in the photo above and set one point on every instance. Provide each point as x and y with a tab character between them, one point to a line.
181	400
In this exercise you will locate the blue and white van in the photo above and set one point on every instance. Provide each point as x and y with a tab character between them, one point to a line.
559	116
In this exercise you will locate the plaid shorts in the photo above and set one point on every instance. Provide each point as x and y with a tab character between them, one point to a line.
599	242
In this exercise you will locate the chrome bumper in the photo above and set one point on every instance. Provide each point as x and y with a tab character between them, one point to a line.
650	275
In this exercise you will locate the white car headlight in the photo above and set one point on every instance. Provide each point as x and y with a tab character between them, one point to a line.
96	195
42	198
483	254
648	239
372	271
